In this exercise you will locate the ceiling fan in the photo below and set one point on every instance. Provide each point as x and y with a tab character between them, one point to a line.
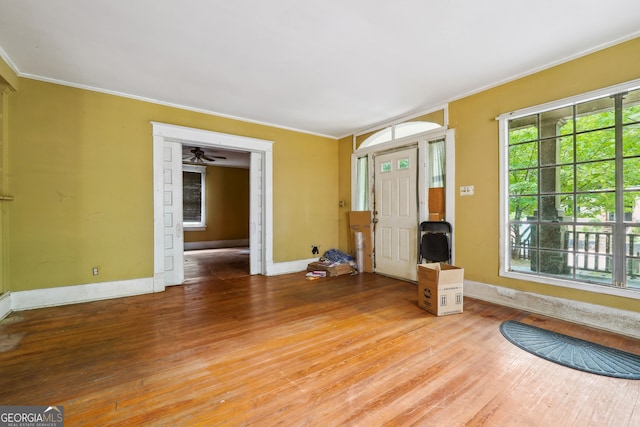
200	158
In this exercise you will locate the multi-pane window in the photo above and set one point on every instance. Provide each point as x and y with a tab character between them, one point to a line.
193	197
573	191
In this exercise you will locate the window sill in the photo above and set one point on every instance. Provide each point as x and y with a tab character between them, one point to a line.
186	227
587	287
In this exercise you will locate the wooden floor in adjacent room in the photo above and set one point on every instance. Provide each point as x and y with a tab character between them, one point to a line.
229	349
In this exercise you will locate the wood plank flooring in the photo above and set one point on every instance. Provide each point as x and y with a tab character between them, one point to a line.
229	349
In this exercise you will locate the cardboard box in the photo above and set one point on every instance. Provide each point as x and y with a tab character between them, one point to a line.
331	269
361	221
440	288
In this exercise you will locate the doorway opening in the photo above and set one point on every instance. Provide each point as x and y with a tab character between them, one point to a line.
168	137
216	195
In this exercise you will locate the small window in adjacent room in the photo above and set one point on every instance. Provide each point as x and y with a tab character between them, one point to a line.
193	197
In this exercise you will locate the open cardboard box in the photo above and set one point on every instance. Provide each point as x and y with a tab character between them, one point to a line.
440	288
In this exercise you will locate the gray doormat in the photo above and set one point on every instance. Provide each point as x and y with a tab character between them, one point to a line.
572	352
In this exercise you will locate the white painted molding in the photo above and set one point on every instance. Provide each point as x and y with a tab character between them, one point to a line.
274	269
39	298
5	305
158	282
260	212
216	244
621	322
49	297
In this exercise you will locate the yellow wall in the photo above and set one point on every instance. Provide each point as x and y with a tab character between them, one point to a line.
477	161
81	174
227	206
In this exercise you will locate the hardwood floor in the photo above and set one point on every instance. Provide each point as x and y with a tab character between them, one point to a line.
232	349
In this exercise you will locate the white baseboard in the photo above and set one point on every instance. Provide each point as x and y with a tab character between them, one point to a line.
215	244
622	322
38	298
275	269
5	305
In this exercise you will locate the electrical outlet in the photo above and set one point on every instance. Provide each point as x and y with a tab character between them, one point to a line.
95	271
315	249
466	190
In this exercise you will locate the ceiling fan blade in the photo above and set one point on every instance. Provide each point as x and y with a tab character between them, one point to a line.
219	157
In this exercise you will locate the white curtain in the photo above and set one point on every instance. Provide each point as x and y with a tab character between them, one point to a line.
436	156
362	184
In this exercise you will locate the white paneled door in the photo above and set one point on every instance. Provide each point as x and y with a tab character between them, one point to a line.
396	213
172	214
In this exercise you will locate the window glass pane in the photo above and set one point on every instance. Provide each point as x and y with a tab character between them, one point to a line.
403	164
523	155
566	150
632	206
596	145
556	122
594	246
521	208
631	172
192	196
596	114
596	176
548	180
632	272
633	257
631	107
550	208
593	207
567	208
524	257
631	140
412	128
554	263
522	235
523	182
558	179
556	151
437	156
554	236
523	129
385	167
378	138
362	184
566	179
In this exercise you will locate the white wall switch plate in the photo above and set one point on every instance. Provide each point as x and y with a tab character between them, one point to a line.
466	190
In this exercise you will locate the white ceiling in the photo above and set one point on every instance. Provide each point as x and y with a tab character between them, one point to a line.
329	67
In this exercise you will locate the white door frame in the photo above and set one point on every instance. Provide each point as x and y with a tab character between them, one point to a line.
421	139
261	191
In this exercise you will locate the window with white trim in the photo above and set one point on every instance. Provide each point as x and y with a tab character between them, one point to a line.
193	197
571	190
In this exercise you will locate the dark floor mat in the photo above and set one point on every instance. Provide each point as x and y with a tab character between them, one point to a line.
572	352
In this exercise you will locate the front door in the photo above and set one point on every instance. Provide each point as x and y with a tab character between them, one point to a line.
396	213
